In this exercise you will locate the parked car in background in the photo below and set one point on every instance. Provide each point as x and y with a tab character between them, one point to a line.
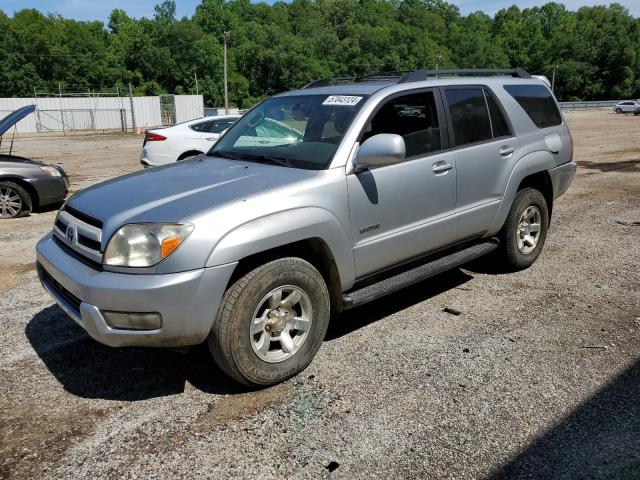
184	140
627	106
636	110
26	184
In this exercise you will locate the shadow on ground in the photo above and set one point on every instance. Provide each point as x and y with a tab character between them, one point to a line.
360	317
89	369
626	165
599	439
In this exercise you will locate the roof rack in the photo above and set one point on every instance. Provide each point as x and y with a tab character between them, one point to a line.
417	76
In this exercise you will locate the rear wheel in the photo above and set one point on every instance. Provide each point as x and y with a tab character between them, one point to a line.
14	201
618	110
525	229
271	322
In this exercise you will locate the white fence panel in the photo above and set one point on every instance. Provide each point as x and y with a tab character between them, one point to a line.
188	107
57	114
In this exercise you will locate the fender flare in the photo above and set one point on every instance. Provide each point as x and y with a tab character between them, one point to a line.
283	228
530	164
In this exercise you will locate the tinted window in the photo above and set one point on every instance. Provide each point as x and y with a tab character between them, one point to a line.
498	123
469	115
200	127
217	126
538	102
414	117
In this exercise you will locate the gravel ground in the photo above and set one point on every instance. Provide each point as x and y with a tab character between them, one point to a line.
538	377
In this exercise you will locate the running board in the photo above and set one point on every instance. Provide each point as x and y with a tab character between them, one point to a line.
398	282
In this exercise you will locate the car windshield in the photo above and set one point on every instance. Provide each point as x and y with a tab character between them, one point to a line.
301	131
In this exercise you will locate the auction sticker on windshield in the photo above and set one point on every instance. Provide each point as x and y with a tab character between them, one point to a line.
347	100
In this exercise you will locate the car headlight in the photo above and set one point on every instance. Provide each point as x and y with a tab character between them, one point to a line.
144	244
51	171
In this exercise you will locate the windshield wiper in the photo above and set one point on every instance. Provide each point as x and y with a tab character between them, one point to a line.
251	157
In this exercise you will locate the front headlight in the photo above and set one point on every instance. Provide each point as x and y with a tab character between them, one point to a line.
51	171
144	244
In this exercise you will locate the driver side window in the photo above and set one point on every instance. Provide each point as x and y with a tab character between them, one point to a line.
414	117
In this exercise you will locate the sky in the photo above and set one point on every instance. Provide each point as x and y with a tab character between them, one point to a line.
100	9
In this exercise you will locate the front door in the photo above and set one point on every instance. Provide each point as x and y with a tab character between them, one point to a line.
401	211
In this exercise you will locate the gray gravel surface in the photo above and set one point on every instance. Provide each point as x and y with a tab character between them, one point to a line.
538	377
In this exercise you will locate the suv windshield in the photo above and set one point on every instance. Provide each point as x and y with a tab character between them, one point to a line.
301	131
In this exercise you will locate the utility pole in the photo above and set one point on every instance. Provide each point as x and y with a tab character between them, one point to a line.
61	111
438	57
553	78
133	115
195	74
226	35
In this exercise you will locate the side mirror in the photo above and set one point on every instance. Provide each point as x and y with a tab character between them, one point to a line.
380	150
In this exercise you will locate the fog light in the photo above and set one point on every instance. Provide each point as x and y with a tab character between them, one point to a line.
133	321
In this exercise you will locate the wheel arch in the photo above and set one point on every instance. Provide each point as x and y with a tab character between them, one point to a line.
311	233
189	153
531	171
30	189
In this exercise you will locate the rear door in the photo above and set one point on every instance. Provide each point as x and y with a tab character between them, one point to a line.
403	210
485	153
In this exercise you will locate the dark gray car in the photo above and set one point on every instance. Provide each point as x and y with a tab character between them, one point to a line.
26	184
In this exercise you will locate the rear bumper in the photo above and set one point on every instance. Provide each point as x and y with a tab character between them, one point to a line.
561	177
187	301
153	159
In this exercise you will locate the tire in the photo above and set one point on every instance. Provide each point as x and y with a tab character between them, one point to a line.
618	110
528	206
247	304
15	202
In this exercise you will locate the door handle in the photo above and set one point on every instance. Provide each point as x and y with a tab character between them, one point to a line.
506	151
211	139
441	167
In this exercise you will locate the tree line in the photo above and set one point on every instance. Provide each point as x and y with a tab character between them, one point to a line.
595	51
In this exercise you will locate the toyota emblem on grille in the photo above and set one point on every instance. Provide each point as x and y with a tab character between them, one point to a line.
71	232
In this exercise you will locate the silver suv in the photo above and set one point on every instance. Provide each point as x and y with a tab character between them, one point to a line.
368	185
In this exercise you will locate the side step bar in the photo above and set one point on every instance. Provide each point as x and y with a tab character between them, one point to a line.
398	282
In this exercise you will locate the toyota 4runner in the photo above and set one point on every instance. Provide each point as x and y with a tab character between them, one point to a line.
316	201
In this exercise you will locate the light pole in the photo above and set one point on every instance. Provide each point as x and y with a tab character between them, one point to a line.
226	35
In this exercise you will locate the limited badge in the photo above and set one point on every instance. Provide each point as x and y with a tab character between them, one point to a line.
346	100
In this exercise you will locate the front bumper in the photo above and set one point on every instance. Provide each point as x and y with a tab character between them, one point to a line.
187	301
561	177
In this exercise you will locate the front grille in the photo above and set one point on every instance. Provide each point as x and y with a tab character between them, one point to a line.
94	222
88	262
79	233
60	290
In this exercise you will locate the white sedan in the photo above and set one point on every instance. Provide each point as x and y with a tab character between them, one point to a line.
184	140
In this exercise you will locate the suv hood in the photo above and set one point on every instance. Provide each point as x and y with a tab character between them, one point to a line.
174	192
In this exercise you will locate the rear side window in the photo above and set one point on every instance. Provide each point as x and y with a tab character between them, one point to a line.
414	117
538	102
469	115
498	123
218	126
200	127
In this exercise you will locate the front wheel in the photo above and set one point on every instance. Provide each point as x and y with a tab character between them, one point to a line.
525	229
271	322
618	110
14	201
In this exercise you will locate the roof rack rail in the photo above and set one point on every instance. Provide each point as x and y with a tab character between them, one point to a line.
419	75
325	82
376	77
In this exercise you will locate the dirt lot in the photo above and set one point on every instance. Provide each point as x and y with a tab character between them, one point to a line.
538	377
